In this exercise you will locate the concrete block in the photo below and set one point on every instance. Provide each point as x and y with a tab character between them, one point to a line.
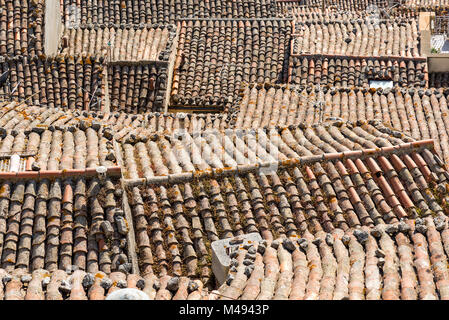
221	250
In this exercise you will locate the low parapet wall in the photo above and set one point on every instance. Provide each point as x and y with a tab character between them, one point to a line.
52	27
437	62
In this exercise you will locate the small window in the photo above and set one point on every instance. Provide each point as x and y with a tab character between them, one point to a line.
384	84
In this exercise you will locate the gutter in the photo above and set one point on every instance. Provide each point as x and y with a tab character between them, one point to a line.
114	171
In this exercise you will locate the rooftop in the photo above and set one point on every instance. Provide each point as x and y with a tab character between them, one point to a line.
134	134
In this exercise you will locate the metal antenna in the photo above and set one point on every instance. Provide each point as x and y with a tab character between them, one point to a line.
90	94
96	102
30	97
320	101
15	88
93	95
386	11
223	69
316	103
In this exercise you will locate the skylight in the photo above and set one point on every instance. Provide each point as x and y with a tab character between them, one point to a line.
384	84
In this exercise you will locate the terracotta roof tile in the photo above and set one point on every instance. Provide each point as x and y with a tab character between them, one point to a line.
345	184
79	285
22	117
155	11
21	23
321	199
42	229
419	113
343	71
65	81
424	4
216	57
137	88
63	148
357	38
313	11
309	268
130	43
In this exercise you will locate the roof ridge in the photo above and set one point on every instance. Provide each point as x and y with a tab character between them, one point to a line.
331	121
184	177
347	56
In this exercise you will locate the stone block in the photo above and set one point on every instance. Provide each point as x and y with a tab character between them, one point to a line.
221	250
